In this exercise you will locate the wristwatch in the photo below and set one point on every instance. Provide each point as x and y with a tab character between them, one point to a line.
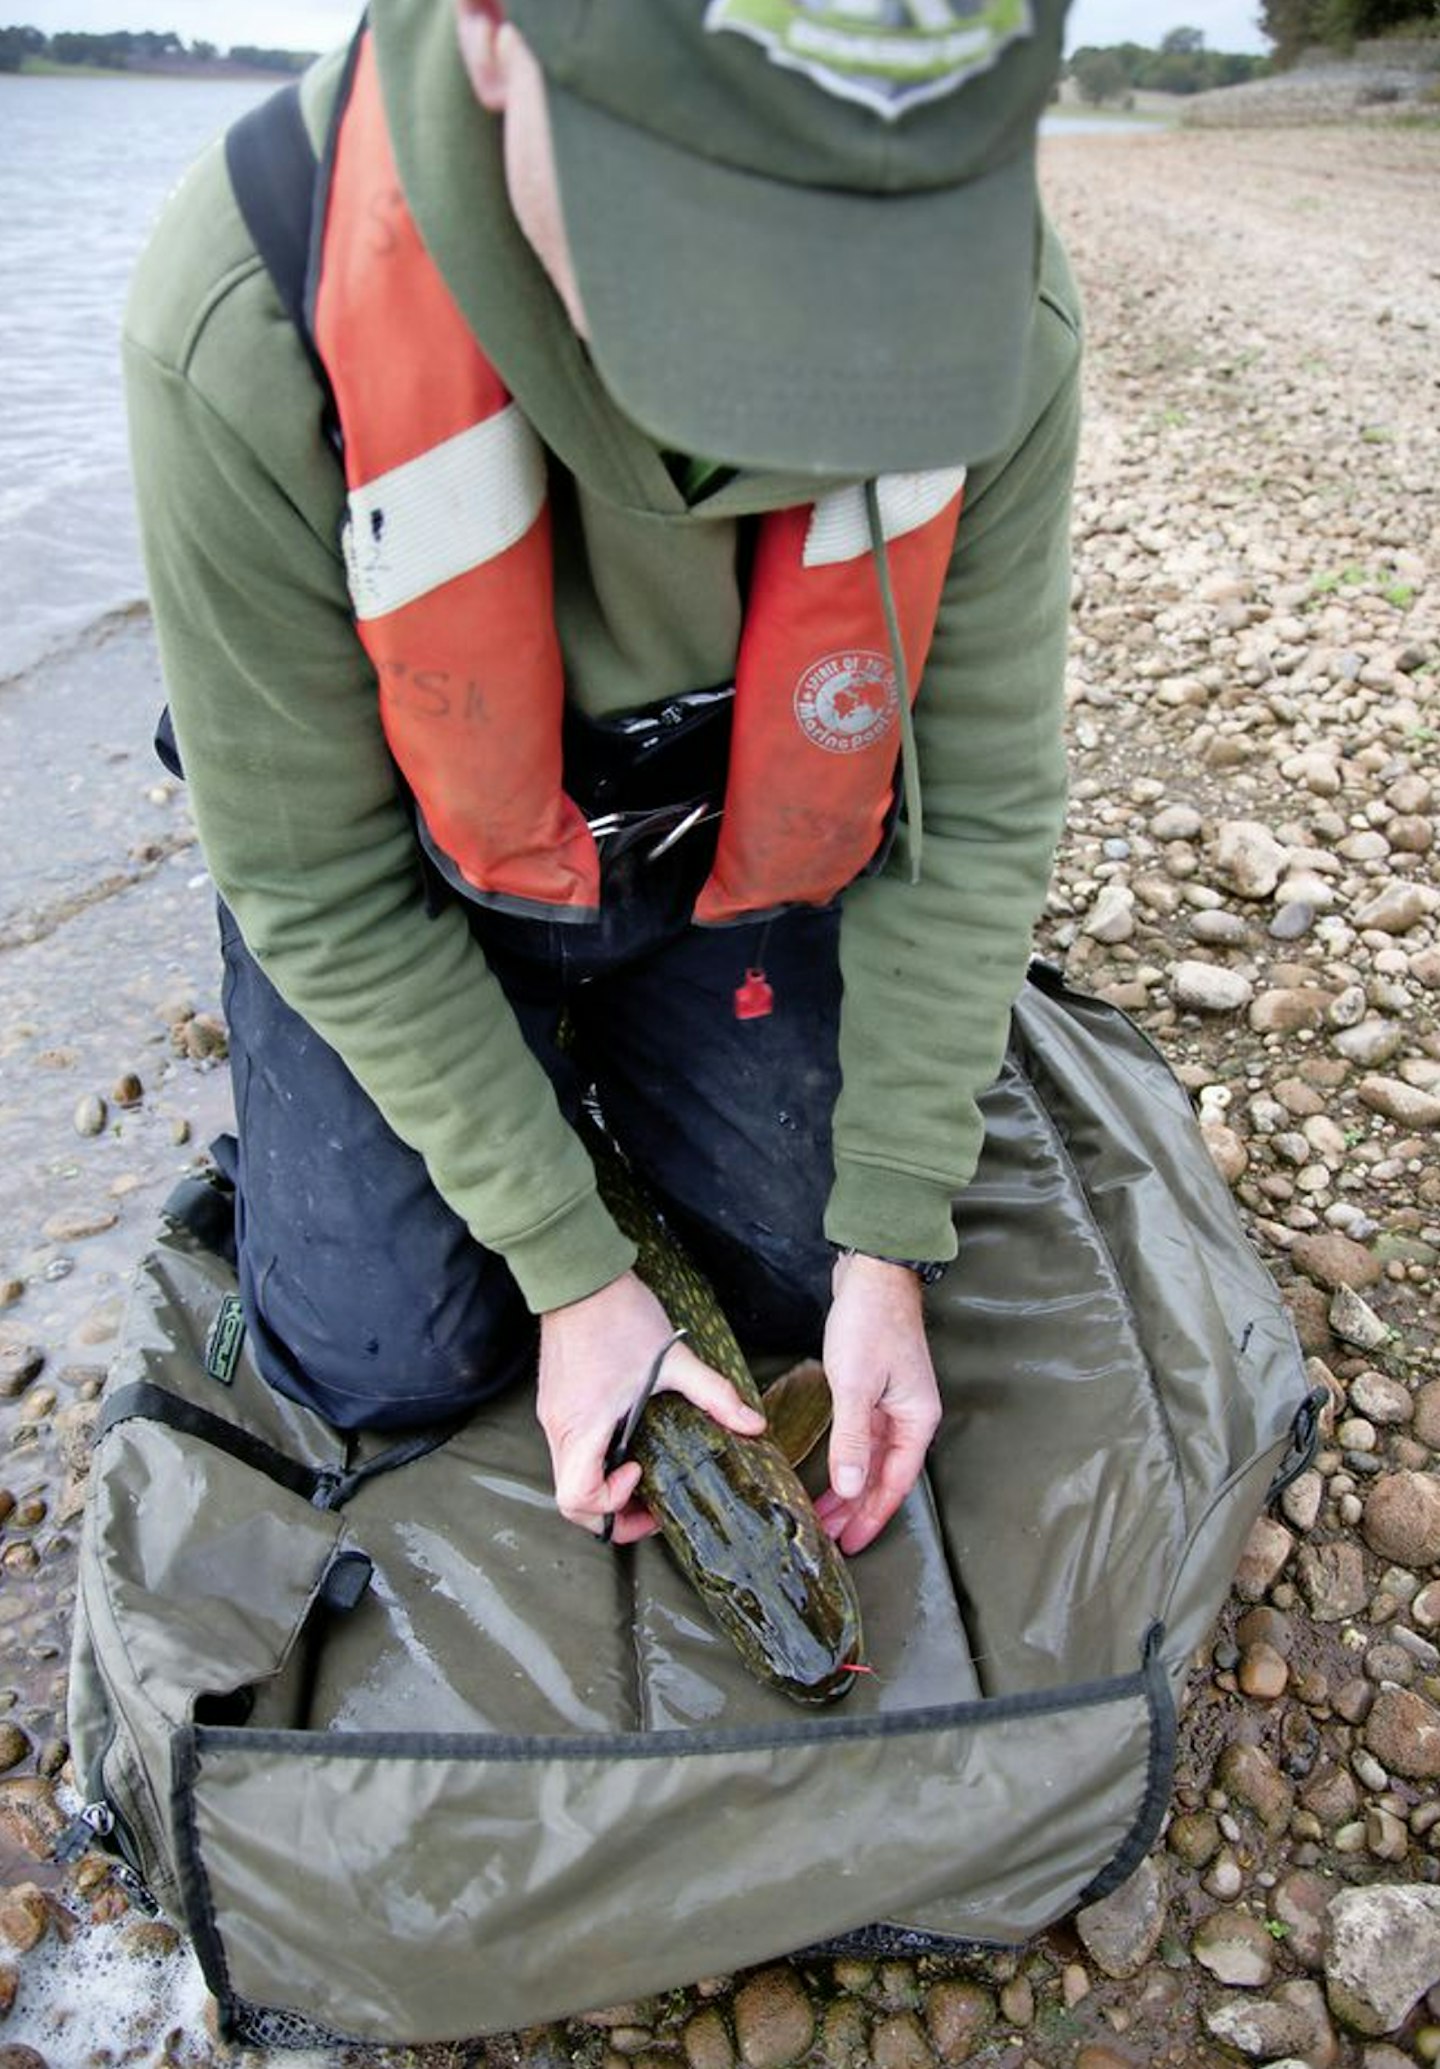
929	1271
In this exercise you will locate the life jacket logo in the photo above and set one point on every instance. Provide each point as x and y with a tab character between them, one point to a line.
847	702
889	55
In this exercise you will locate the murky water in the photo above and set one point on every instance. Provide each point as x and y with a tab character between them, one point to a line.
86	167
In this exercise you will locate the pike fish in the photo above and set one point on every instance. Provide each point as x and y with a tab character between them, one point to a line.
732	1509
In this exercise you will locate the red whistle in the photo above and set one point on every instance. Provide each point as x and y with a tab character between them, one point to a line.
754	998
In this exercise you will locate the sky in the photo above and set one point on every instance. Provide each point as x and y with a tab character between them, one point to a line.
316	24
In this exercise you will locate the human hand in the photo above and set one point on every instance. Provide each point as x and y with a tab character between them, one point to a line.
594	1358
886	1401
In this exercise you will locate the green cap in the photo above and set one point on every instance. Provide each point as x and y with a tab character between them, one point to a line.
805	232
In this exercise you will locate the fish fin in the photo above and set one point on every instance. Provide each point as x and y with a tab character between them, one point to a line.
797	1408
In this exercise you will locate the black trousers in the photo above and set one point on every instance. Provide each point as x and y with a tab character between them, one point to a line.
367	1297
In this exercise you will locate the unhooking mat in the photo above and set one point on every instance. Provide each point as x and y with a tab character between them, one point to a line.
411	1759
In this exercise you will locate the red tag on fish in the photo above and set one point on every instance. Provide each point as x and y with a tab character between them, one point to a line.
754	998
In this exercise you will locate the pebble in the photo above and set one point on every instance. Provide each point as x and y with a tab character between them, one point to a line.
1263	1673
1112	917
1250	1776
1299	1903
1403	1732
1396	909
1332	1579
774	2024
1122	1931
1247	856
19	1364
74	1224
957	2017
1382	1954
1236	1948
1263	1559
1292	921
1288	1010
1209	988
1382	1399
1333	1260
1402	1518
897	2042
90	1115
1355	1321
1399	1102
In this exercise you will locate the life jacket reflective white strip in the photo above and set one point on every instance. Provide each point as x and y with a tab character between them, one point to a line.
448	557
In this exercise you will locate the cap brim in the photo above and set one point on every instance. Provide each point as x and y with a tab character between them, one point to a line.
762	323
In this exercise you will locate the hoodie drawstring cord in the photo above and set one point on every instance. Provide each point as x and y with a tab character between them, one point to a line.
909	756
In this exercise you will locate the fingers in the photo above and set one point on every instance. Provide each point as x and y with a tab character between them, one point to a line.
684	1373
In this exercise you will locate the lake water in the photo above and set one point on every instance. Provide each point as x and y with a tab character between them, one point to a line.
86	166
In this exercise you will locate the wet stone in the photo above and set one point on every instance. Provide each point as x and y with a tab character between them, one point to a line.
1382	1399
1354	1321
1288	1011
24	1918
1300	1903
844	2035
1301	1500
1122	1931
1262	1561
707	2042
1382	1954
1017	2002
1251	1777
957	2018
1400	1102
1331	1795
90	1115
774	2024
897	2042
1236	1948
14	1746
1426	1424
1403	1732
19	1364
1402	1518
149	1939
1333	1260
1263	1672
1261	2030
1194	1837
74	1224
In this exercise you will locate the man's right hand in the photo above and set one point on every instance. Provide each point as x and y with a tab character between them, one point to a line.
594	1357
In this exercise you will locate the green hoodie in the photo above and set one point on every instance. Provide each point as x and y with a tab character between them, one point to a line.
274	701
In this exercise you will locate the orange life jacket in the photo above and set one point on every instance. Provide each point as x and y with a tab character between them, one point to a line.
448	559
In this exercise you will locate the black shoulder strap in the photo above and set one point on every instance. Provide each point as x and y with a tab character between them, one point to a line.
272	166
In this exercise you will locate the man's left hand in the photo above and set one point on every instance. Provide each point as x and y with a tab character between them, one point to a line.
886	1401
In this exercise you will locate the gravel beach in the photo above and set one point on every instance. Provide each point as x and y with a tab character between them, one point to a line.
1249	869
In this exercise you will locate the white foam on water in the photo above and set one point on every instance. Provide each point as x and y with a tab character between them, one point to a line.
92	2002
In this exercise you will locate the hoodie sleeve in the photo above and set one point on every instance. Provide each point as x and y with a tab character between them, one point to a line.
276	714
931	968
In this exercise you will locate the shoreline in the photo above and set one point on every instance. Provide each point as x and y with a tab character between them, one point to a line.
1256	646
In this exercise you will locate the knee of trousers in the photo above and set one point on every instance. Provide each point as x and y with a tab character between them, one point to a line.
392	1364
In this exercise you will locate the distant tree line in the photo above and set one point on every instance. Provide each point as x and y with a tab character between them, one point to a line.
1294	25
120	50
1182	64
